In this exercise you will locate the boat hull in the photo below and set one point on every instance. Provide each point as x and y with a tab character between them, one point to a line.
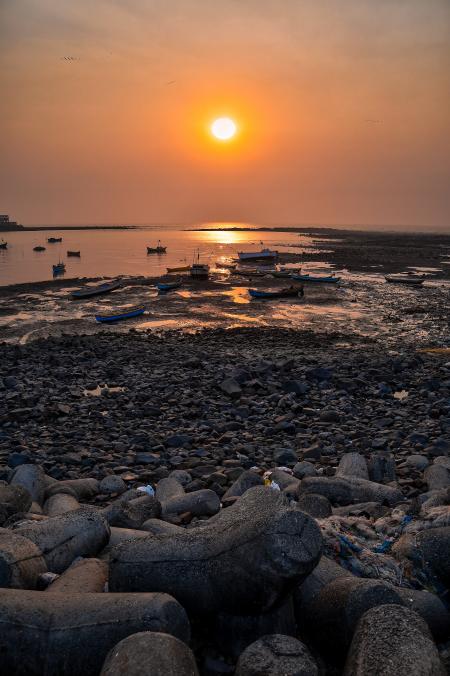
169	286
183	268
249	256
95	290
118	316
408	282
76	254
316	280
3	245
282	293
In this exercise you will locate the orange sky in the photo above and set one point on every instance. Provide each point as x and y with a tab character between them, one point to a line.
343	108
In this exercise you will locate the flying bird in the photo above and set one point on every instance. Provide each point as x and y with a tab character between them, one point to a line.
373	121
70	58
171	82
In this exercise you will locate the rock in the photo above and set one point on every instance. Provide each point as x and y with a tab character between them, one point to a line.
274	655
211	569
440	446
231	387
330	415
317	506
112	484
150	652
419	462
285	456
10	382
71	634
393	641
246	480
16	459
178	440
303	469
296	386
353	464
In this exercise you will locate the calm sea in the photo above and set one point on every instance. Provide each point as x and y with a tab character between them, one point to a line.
107	253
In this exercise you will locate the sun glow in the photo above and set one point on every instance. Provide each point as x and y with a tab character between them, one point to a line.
223	129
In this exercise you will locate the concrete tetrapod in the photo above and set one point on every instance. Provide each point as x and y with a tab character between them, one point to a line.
32	478
13	499
150	653
61	539
21	561
393	641
83	576
242	561
344	490
275	655
71	634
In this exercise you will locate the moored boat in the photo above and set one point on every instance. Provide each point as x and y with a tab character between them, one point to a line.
180	268
39	248
74	253
325	279
53	240
3	244
97	290
59	268
159	249
405	279
264	254
285	273
199	270
163	287
118	314
277	293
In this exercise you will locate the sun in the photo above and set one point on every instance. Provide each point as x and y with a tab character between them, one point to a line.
224	128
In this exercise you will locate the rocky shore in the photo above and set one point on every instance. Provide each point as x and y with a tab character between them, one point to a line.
250	501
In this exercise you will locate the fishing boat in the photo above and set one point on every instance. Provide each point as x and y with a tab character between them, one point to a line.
74	253
159	249
410	280
180	268
39	248
264	254
278	293
163	287
285	273
228	265
3	245
326	279
125	313
59	268
199	270
53	240
90	291
250	272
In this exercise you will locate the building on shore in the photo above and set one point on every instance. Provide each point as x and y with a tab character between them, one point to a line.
6	224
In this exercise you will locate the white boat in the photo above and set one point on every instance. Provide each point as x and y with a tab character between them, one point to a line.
264	254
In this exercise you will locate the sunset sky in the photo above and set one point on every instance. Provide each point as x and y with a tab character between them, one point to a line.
342	109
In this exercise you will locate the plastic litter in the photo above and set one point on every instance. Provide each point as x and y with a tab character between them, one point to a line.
146	489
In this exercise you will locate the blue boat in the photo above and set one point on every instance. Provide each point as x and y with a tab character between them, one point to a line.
163	287
281	293
117	315
327	279
59	268
98	290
